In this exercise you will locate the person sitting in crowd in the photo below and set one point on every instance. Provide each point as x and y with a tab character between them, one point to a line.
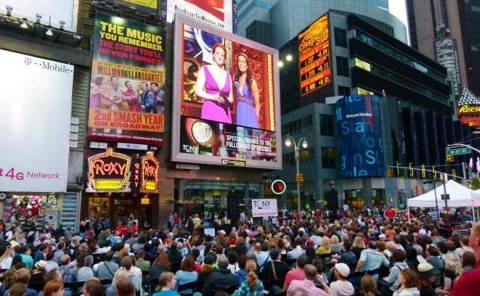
167	284
221	279
409	283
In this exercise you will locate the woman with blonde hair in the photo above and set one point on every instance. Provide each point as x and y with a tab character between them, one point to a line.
6	258
166	285
252	286
325	246
453	269
335	243
358	246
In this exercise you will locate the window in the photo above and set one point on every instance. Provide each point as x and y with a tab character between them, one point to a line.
329	158
340	37
327	125
343	90
342	66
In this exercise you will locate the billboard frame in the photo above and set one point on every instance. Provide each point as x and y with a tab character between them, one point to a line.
176	155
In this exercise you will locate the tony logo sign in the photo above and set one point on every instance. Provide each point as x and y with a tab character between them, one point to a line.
109	172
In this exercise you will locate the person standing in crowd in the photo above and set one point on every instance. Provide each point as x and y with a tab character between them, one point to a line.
409	283
308	284
341	287
167	284
469	283
93	287
221	279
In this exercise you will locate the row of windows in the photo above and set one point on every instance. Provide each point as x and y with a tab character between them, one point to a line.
329	157
298	126
397	55
327	124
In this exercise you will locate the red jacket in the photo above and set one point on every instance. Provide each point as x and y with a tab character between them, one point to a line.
468	283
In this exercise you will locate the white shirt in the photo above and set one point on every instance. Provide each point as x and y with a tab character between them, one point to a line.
6	263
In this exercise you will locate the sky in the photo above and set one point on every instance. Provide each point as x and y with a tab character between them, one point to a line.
399	9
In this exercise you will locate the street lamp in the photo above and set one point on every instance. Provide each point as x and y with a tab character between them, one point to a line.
302	142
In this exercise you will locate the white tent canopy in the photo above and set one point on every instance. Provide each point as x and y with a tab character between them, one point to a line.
460	196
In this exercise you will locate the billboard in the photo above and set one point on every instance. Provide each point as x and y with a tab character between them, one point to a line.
360	141
35	108
468	108
447	56
127	96
52	11
217	13
150	6
226	104
111	171
314	56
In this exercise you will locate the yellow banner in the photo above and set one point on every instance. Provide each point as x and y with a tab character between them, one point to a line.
125	120
108	184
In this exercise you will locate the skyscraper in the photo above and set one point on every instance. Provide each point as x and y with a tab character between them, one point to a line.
449	32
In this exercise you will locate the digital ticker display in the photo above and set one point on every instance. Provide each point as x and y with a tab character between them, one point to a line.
314	56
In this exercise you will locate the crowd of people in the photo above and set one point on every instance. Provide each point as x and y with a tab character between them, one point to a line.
314	253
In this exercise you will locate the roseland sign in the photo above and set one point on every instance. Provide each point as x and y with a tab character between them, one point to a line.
469	109
111	171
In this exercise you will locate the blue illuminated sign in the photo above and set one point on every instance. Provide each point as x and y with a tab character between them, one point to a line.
360	139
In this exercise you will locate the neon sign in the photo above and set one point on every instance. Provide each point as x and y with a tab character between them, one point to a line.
150	166
109	172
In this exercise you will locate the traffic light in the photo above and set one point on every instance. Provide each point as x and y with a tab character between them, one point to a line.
278	186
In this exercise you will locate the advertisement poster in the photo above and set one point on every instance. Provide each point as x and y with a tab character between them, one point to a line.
35	108
314	56
218	13
226	102
359	125
127	96
264	208
150	6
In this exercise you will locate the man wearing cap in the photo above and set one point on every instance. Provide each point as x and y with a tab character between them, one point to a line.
341	286
469	282
308	284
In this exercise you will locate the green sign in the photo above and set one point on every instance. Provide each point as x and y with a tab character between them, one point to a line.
458	151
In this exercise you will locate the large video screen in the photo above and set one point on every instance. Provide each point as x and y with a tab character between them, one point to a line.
314	53
127	95
35	109
226	99
360	140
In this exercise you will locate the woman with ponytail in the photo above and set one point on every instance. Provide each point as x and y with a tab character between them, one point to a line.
252	286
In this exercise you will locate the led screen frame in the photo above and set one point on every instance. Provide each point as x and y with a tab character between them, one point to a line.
176	154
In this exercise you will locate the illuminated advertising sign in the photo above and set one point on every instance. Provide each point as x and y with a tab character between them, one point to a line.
469	108
143	5
150	166
226	99
115	172
447	56
127	96
217	13
109	172
35	109
314	56
360	139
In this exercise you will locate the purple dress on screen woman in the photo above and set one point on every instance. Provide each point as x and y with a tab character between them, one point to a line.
246	113
213	110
